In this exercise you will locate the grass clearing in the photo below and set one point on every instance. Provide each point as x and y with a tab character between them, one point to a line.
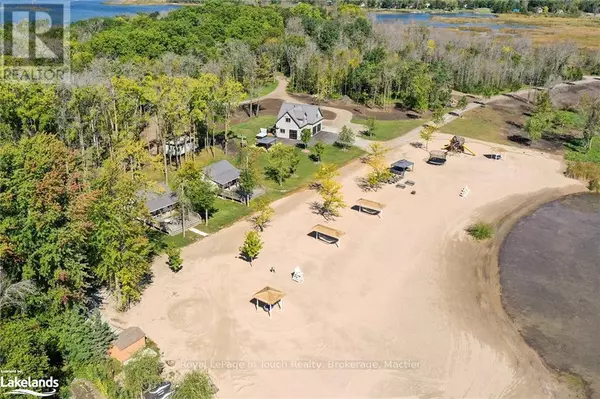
268	88
388	130
250	128
482	124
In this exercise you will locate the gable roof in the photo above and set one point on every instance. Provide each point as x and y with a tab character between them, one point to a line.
157	201
302	114
129	337
222	172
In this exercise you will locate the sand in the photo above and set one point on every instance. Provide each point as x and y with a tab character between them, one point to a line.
410	298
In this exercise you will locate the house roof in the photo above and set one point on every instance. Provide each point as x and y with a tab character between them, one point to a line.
302	114
157	201
222	172
129	337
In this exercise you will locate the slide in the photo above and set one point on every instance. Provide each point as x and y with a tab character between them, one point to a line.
467	149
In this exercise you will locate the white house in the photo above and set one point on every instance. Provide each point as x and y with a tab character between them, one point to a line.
293	118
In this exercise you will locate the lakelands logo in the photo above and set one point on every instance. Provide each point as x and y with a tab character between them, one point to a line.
38	387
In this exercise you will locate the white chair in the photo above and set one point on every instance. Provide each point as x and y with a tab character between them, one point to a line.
298	275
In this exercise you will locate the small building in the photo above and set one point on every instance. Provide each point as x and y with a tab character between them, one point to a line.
127	344
293	118
223	174
180	146
160	203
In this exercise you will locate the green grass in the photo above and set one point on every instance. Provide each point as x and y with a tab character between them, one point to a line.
307	168
227	213
481	231
250	128
578	153
388	130
268	88
179	241
481	124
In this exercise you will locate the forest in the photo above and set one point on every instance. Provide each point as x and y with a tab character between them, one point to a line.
74	156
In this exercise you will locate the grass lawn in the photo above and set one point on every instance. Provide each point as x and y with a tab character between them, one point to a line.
481	123
266	89
251	128
307	168
388	130
579	154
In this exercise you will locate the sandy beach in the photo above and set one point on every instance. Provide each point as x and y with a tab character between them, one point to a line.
407	306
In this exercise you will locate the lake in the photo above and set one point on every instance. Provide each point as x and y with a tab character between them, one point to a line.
479	20
87	9
550	276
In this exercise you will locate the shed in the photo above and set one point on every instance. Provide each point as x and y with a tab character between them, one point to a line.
129	342
222	173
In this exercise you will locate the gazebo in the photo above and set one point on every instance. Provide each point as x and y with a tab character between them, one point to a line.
402	166
370	207
266	142
270	297
327	234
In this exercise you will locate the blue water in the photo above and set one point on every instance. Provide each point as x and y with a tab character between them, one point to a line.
87	9
425	19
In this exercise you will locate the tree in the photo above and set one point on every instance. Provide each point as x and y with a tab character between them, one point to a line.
248	182
14	295
326	171
252	246
463	102
333	200
427	134
22	347
229	95
174	261
380	171
83	338
280	159
591	111
438	114
319	150
263	213
306	135
371	125
195	384
346	137
141	373
202	195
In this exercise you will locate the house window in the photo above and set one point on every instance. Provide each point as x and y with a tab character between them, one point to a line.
319	127
314	130
282	131
288	120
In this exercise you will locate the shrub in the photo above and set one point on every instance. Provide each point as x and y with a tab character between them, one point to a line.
481	231
175	261
587	171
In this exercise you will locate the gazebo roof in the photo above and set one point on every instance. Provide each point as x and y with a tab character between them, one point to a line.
266	140
365	203
403	164
269	295
328	231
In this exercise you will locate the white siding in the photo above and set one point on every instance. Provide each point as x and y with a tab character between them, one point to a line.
291	125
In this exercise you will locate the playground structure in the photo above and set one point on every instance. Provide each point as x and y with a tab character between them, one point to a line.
457	144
